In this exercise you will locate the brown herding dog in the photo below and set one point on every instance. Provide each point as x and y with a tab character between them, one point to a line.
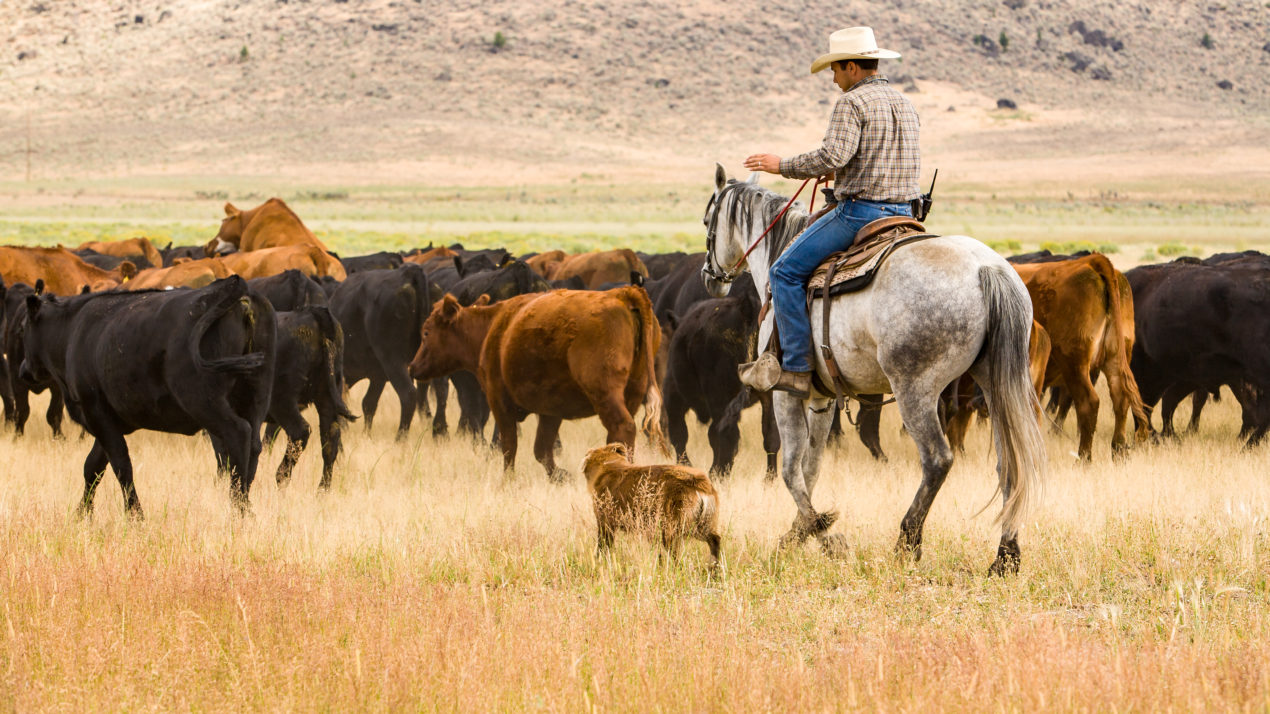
678	500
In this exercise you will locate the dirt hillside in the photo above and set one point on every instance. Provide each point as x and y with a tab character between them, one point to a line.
384	90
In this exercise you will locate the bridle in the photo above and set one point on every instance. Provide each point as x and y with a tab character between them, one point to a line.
726	276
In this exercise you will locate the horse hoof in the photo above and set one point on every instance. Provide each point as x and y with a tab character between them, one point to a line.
1003	566
834	545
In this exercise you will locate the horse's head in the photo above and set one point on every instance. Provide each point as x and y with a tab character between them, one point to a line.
724	247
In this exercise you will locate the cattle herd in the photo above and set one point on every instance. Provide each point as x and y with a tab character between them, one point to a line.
263	321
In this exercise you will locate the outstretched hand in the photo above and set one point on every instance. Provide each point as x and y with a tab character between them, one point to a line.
771	163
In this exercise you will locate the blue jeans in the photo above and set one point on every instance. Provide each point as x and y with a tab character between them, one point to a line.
833	232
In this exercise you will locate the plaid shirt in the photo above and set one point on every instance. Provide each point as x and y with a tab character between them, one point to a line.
872	143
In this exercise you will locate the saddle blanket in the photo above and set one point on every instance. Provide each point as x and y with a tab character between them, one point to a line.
854	268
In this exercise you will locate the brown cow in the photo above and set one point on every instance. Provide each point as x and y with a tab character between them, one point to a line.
308	259
965	404
63	272
546	264
126	249
679	500
270	225
424	257
1086	308
183	273
600	267
566	354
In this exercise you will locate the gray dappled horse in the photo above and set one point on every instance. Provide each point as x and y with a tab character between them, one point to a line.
936	309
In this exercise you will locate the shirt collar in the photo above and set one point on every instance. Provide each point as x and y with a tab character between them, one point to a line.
869	80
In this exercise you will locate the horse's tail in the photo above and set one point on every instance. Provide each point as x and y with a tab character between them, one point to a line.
1012	400
1119	352
647	342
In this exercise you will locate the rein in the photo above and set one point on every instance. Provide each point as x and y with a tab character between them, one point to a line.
729	274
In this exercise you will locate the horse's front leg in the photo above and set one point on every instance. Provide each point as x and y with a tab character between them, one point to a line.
797	454
820	418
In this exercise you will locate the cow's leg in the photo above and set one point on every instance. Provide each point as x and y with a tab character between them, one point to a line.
94	471
1085	400
21	408
6	391
1117	385
617	420
1173	396
725	441
1199	398
297	430
771	435
405	388
1060	404
422	406
370	402
329	432
505	424
272	429
675	411
441	388
544	447
53	415
474	409
121	463
869	423
1256	414
240	445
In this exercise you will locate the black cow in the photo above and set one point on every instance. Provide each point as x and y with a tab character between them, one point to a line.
382	313
1200	326
289	290
17	391
701	375
375	261
661	264
192	252
111	262
176	361
497	257
310	370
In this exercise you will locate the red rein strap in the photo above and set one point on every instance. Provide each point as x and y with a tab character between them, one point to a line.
777	219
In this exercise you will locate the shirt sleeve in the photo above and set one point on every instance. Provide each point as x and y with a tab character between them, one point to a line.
840	143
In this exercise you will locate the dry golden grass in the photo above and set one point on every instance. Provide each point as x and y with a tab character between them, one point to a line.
427	580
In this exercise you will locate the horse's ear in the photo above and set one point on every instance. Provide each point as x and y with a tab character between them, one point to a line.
720	177
754	178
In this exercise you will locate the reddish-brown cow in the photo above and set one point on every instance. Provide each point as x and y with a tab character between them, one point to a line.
307	259
596	269
63	272
1088	314
566	354
183	273
126	249
270	225
964	404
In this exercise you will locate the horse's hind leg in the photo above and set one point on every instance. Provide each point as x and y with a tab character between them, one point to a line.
919	409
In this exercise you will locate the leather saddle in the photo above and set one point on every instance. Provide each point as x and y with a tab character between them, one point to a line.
854	268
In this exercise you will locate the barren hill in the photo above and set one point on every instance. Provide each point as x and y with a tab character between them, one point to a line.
389	90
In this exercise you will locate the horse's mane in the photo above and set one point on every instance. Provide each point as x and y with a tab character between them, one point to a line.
754	205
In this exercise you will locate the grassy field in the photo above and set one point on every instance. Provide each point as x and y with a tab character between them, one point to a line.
427	579
1140	222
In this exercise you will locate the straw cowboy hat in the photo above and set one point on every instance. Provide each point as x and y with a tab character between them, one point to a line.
852	43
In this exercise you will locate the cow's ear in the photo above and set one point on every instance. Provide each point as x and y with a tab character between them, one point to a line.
481	301
33	303
458	265
720	177
85	289
128	270
637	278
230	210
449	307
672	319
39	286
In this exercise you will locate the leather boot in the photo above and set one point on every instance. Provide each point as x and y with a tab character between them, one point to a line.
796	383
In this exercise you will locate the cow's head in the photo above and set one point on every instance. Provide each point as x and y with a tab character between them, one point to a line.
231	232
443	345
33	370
